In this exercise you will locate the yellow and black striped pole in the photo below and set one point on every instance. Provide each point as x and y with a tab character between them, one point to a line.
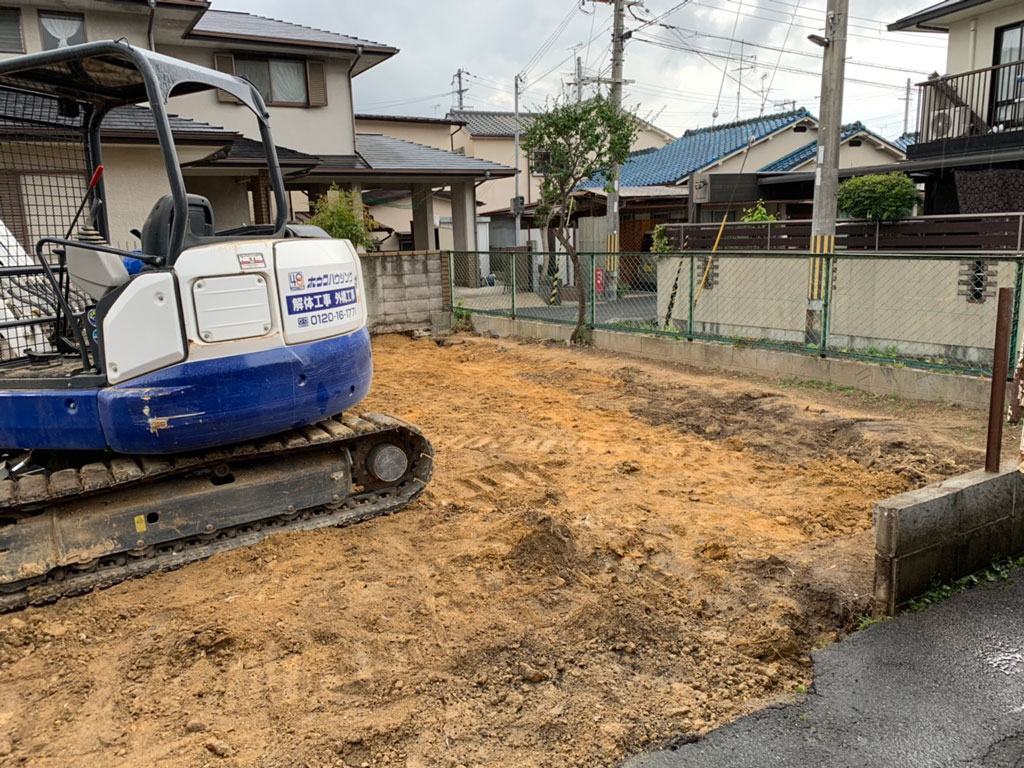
826	246
554	290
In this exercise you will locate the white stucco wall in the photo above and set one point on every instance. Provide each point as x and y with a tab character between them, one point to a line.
327	130
958	52
134	180
430	134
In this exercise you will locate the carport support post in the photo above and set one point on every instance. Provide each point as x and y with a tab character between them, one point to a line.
464	216
1000	362
423	218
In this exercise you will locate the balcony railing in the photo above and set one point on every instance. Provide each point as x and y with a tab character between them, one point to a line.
984	102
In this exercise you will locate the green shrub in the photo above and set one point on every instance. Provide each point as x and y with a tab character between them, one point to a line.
342	215
879	197
757	213
659	241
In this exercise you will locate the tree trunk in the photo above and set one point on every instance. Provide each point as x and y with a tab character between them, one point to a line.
578	336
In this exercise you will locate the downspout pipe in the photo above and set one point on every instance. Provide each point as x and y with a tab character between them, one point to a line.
149	29
972	44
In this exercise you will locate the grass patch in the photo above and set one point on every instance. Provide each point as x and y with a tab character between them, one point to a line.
866	621
998	571
817	384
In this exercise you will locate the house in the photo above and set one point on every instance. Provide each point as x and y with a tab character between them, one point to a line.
715	170
970	122
491	136
305	76
392	208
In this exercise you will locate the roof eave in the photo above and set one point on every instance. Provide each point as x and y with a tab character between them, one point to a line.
419	173
384	51
914	22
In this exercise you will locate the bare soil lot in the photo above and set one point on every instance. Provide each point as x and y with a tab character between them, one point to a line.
613	554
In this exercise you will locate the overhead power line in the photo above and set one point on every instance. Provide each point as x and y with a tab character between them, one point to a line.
806	54
720	55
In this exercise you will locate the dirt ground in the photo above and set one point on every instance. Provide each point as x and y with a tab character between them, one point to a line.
613	554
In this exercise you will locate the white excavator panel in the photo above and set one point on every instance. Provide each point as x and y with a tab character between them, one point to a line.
320	286
142	330
227	292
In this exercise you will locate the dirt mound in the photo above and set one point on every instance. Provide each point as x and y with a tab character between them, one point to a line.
593	569
779	429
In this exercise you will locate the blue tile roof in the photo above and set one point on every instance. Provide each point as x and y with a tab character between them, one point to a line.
798	157
905	140
696	149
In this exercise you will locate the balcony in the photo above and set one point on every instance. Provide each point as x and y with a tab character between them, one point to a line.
979	111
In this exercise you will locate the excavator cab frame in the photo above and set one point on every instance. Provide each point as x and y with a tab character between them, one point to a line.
96	78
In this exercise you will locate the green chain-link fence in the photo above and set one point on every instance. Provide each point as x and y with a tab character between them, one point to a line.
917	309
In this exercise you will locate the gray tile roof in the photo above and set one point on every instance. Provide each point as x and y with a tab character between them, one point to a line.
140	120
384	153
245	150
236	24
503	124
16	107
479	123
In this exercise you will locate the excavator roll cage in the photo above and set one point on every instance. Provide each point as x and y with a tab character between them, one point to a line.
52	109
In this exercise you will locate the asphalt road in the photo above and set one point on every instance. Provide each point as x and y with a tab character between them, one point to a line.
944	687
634	309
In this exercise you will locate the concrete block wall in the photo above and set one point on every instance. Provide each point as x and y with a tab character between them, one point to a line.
908	383
405	290
944	531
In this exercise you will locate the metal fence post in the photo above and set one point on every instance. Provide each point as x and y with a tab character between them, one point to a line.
451	280
826	308
593	290
1018	283
689	314
513	279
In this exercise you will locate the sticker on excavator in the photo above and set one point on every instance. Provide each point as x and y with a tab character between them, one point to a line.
251	261
318	287
140	523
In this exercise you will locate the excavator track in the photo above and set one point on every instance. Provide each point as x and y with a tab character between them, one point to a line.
95	525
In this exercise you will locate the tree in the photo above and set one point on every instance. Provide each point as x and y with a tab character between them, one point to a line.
569	143
342	215
879	197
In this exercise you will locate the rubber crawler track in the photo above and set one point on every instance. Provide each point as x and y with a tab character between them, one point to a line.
355	433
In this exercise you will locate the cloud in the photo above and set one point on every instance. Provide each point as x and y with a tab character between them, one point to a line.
495	40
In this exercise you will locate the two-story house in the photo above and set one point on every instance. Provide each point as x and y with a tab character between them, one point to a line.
305	77
970	121
490	135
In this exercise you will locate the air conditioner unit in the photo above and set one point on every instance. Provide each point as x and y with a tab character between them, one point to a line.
950	122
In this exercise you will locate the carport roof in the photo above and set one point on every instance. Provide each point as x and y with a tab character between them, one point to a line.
376	156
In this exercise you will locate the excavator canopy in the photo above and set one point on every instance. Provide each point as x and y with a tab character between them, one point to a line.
111	74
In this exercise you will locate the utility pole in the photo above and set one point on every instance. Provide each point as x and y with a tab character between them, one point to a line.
516	207
579	79
826	172
906	110
618	30
460	90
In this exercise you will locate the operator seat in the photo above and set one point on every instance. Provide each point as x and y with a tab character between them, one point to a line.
156	232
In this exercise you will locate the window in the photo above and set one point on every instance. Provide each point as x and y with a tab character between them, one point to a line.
59	30
10	31
1009	86
279	81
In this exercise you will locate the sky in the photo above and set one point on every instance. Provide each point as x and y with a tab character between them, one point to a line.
699	58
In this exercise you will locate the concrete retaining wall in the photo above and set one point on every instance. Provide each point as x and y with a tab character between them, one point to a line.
908	383
405	290
944	531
